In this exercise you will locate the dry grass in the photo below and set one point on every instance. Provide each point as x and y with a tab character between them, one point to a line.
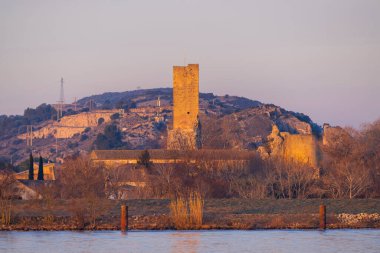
179	213
187	213
277	221
196	204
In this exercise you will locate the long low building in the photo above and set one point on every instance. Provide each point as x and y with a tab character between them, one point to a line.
162	156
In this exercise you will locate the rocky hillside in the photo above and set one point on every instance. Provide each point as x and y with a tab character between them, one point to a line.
227	122
248	128
220	105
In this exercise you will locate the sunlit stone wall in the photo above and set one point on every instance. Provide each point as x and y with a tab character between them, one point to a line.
185	132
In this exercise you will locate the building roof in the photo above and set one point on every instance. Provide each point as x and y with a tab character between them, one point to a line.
163	154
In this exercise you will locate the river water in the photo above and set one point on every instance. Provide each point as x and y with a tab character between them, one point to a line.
193	241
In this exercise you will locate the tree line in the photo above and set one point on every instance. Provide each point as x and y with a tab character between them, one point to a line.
350	169
9	125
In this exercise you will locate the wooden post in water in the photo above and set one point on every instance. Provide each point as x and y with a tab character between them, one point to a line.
124	218
322	217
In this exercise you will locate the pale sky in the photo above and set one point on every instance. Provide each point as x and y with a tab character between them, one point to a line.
318	57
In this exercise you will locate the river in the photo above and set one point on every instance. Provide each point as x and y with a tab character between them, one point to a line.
345	240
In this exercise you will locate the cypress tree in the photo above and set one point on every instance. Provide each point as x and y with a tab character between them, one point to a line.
40	169
31	168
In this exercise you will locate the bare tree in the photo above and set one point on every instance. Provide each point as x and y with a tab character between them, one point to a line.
165	174
115	177
348	179
79	178
349	163
370	141
83	181
7	192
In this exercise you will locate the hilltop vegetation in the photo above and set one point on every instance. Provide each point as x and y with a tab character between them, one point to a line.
9	125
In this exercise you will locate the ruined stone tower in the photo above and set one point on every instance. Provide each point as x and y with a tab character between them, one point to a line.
186	128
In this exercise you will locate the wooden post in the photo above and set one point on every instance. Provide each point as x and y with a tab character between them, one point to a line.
322	217
124	218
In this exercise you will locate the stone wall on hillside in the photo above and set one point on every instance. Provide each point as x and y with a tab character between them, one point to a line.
88	119
62	132
302	148
55	130
71	125
333	135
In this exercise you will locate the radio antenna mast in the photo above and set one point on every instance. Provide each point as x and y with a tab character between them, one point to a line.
61	102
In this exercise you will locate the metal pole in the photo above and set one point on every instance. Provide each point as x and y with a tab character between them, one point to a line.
30	135
56	146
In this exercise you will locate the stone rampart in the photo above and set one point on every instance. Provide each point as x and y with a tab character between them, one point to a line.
302	148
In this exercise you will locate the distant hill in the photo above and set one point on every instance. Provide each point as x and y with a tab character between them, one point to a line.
141	97
227	122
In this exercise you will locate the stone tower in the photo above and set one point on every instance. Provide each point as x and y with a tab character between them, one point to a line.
186	128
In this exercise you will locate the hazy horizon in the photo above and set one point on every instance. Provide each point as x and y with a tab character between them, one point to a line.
320	58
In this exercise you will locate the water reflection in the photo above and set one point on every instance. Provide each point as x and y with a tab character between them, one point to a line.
281	241
185	242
